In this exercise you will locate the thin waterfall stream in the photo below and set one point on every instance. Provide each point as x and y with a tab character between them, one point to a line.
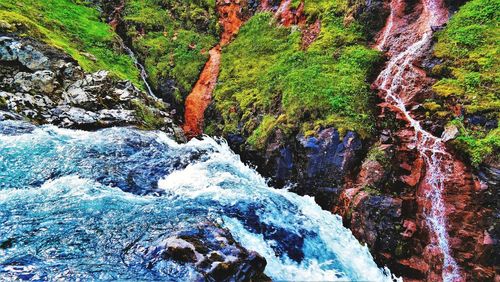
396	82
142	70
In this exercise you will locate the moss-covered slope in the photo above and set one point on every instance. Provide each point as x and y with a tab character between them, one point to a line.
172	38
470	77
72	26
269	82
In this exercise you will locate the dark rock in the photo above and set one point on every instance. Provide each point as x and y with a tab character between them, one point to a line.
326	197
284	164
308	164
329	157
372	14
477	120
12	50
179	250
211	250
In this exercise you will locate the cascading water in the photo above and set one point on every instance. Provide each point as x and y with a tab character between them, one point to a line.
81	205
142	73
398	83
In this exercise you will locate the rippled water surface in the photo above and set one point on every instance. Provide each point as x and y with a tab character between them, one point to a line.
78	205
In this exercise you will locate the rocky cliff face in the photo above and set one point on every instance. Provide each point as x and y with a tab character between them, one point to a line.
42	84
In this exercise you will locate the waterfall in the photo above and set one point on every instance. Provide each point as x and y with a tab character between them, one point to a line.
397	83
143	73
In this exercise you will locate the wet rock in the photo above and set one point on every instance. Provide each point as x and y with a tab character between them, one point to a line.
309	163
211	250
326	158
450	132
481	120
12	50
38	82
179	250
9	116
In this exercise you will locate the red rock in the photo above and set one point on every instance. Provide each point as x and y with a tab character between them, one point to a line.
231	19
410	228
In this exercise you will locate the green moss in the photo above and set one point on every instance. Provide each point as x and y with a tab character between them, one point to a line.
478	143
172	38
469	75
260	135
264	70
147	116
469	48
75	28
3	103
371	190
431	106
377	154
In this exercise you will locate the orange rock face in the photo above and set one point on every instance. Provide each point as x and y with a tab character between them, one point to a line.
231	19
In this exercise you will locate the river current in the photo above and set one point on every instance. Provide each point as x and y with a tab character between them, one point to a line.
75	204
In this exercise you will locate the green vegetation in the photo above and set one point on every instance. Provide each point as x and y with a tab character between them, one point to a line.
470	74
147	116
264	70
379	155
75	28
478	143
3	103
172	38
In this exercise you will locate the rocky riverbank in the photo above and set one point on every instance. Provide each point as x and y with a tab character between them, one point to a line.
43	84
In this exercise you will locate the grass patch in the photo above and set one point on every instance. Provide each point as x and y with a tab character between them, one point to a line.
74	28
172	38
477	143
147	116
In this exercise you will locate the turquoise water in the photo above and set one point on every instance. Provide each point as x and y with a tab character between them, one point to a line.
81	205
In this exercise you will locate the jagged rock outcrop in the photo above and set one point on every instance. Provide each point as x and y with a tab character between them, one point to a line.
44	85
315	165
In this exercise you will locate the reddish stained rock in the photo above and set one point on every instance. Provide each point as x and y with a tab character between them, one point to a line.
415	173
231	19
410	228
310	33
288	16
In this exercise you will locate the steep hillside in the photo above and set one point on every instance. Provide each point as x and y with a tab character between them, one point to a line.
72	26
172	39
